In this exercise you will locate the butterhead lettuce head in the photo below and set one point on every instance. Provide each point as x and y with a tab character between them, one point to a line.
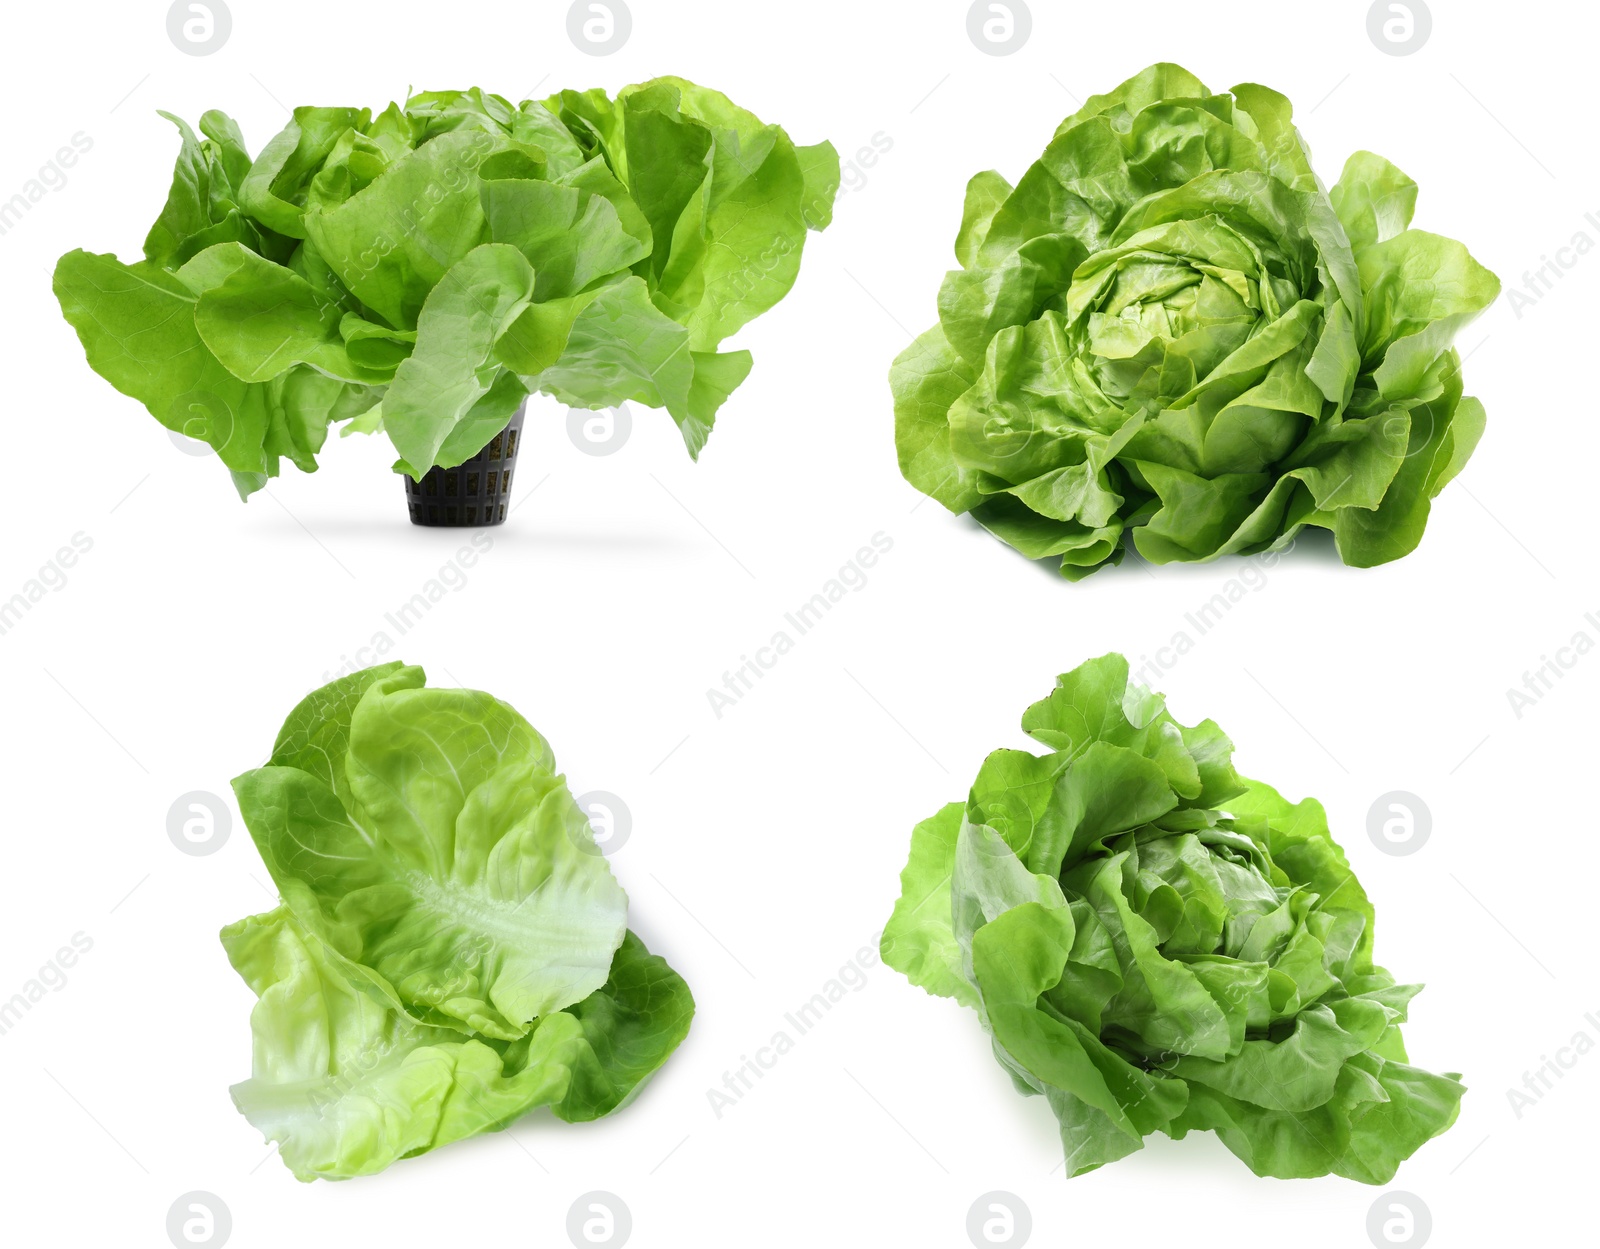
1169	331
1156	944
452	949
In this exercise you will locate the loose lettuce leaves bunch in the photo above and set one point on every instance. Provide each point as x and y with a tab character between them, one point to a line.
451	950
1156	944
423	270
1168	329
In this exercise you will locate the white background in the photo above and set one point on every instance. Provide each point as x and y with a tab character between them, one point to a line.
766	844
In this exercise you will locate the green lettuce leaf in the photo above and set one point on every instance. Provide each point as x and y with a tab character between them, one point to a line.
453	365
450	858
346	1085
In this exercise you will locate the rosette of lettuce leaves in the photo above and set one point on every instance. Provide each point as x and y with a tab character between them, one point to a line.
423	270
1156	944
1168	330
452	949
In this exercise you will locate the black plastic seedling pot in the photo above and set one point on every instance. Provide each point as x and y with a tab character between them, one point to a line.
474	494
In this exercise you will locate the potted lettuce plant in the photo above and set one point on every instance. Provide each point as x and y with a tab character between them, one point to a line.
422	271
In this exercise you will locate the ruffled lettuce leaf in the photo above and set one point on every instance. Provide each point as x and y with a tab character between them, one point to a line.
346	1085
